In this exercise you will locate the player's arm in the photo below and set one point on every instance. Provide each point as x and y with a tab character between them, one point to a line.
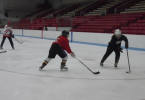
112	42
68	49
5	28
126	41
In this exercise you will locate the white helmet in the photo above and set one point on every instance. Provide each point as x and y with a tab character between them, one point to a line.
117	32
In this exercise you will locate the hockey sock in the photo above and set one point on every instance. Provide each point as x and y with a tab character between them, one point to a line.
46	61
63	62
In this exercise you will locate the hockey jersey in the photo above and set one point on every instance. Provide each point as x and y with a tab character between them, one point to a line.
116	42
64	43
7	31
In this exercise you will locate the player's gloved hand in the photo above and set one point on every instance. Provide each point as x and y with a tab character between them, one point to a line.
72	54
126	45
120	49
13	36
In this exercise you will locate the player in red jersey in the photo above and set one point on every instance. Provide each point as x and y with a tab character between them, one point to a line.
7	34
58	47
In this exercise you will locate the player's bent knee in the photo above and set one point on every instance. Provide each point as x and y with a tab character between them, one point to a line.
65	58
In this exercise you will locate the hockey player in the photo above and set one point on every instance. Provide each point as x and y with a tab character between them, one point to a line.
58	47
7	34
115	45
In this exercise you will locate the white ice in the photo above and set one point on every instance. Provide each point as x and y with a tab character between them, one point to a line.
21	80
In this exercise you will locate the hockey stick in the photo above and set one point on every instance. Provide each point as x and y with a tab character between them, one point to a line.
18	41
3	51
128	62
88	68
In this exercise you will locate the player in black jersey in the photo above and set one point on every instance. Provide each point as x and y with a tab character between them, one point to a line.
115	45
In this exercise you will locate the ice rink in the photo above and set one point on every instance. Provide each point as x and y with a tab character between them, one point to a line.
20	78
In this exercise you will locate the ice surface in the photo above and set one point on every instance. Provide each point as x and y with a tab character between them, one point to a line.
21	80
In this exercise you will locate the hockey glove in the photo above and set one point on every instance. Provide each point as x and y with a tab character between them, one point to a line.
72	54
120	49
13	36
126	45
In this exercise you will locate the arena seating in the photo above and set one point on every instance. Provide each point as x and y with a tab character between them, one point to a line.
102	9
129	23
110	22
82	5
139	7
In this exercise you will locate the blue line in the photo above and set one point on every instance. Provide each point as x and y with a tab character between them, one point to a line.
17	35
49	38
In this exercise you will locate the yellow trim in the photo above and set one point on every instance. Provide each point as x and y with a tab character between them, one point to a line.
64	61
45	62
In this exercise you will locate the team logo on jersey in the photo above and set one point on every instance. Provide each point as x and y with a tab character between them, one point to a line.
6	31
118	42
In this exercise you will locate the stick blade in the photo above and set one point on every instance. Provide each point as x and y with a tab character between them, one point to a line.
128	72
3	51
96	72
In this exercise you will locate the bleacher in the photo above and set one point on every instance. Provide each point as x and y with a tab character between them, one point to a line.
102	9
139	7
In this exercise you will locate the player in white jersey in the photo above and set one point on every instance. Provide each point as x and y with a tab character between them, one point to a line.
7	34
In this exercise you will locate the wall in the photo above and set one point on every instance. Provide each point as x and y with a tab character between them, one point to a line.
136	42
1	7
57	3
19	4
20	14
6	18
58	28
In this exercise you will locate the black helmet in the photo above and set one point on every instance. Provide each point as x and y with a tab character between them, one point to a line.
65	33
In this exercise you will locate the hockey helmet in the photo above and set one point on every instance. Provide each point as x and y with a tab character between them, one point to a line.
9	22
117	33
65	33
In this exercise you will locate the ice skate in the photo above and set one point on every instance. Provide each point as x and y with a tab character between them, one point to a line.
41	67
101	64
63	67
1	47
115	65
13	48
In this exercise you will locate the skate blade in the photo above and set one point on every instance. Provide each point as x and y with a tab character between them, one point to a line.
40	69
116	67
63	69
